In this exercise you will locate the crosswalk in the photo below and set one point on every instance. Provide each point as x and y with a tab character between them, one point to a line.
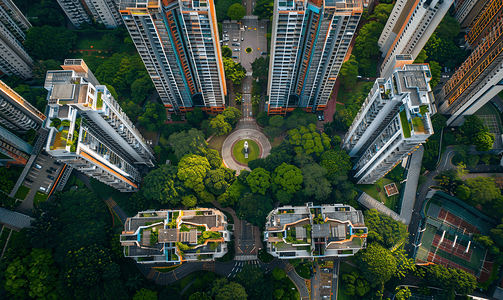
151	273
247	119
288	268
111	202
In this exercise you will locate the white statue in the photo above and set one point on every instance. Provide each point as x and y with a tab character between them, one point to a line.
246	146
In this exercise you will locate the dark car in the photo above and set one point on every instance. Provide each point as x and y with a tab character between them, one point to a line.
44	153
264	53
48	171
57	163
28	180
50	177
53	169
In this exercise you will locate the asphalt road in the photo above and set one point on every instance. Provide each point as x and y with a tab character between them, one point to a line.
335	278
316	283
246	106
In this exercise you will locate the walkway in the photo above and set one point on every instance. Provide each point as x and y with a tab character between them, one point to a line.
371	203
409	196
249	131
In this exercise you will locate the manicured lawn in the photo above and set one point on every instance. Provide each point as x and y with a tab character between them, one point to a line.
265	257
239	151
216	142
405	124
39	198
22	192
371	190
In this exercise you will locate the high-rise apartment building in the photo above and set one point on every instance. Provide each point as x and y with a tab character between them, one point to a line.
16	116
409	27
89	131
334	230
176	236
467	11
102	11
309	42
393	121
480	77
14	60
179	45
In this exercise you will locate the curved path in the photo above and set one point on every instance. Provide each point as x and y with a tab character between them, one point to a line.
244	130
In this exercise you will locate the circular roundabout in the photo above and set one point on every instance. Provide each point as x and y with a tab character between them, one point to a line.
233	148
242	155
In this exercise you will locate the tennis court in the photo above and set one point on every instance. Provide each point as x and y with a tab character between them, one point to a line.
447	237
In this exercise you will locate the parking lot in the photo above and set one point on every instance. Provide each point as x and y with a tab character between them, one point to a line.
41	177
239	36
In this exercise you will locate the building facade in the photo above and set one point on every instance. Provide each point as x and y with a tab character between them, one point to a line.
89	131
176	236
105	12
480	77
179	44
17	116
409	27
14	60
310	41
313	231
393	121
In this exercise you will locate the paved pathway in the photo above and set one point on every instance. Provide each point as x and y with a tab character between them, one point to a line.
250	131
409	196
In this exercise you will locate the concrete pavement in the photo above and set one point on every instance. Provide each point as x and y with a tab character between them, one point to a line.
239	134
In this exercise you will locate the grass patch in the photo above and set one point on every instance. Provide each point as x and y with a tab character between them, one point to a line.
229	256
239	151
405	124
216	142
339	107
39	198
22	192
378	192
303	271
417	124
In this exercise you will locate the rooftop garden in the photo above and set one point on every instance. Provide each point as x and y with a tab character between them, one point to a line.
291	237
405	124
99	101
207	235
423	109
417	124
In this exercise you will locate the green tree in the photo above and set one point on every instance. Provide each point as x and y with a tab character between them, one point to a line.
189	201
198	296
438	121
49	42
260	66
226	52
220	125
153	117
307	140
315	182
195	117
463	192
377	264
288	177
236	11
263	118
483	141
255	282
254	208
33	276
382	12
217	181
163	185
336	162
263	9
384	229
278	274
192	170
342	119
366	42
188	142
349	72
145	294
402	293
232	115
233	71
213	158
482	189
259	180
6	183
421	57
276	121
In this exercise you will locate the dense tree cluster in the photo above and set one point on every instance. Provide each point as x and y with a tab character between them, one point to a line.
384	229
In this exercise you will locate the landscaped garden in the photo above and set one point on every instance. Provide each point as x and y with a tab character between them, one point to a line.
238	151
378	192
22	192
39	198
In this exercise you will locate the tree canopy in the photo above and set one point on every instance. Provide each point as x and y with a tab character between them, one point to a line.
49	42
384	229
153	117
163	185
233	71
192	170
236	11
377	264
336	162
188	142
259	180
